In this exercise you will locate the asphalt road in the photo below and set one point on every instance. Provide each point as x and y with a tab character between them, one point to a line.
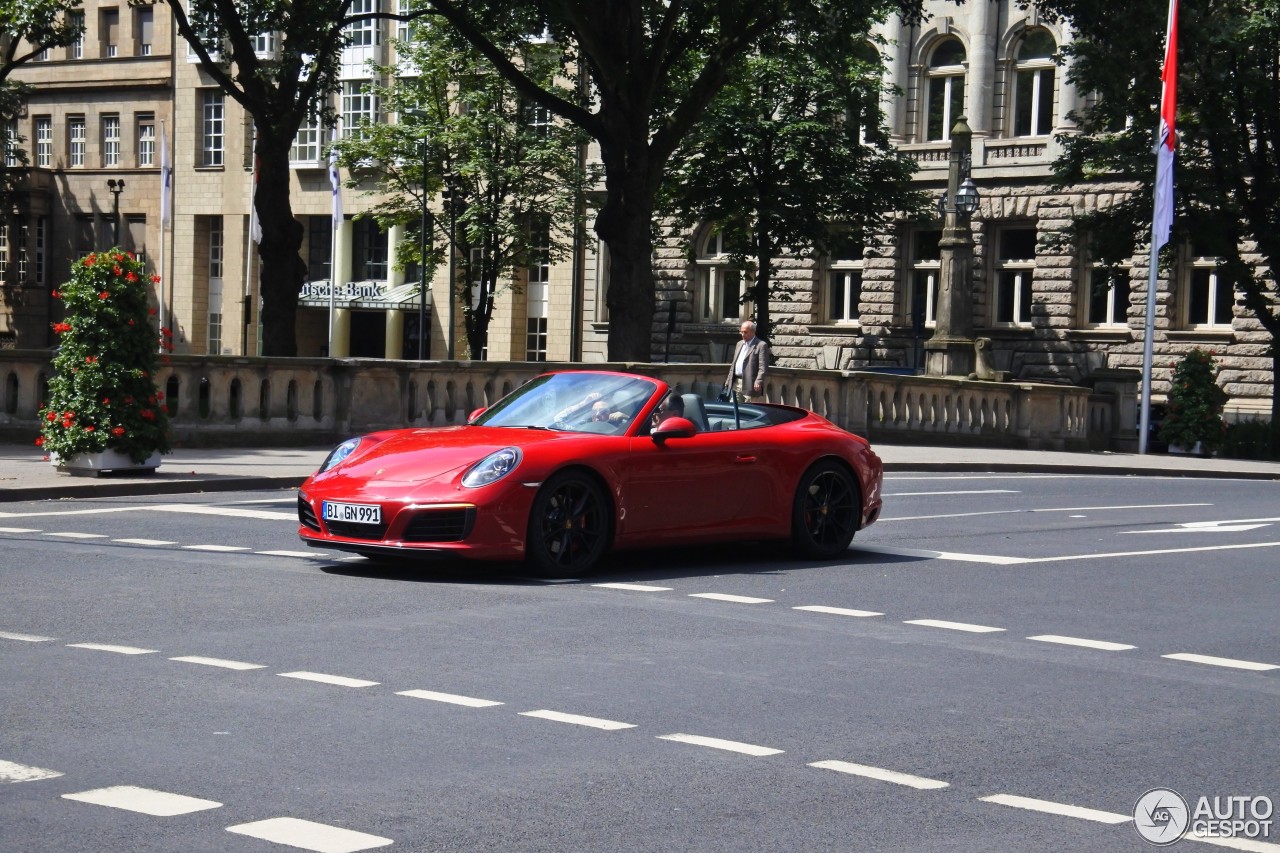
1001	664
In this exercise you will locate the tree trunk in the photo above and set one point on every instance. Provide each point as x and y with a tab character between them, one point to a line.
625	225
282	270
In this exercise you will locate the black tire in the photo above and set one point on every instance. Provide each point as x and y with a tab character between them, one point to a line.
569	526
826	511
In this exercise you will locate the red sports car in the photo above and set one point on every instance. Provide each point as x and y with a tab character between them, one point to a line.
577	463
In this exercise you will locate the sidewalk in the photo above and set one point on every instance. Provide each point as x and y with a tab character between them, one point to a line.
25	475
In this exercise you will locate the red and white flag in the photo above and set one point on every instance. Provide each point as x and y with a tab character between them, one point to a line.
166	181
255	224
1162	220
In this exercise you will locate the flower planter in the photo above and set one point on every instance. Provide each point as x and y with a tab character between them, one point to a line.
108	461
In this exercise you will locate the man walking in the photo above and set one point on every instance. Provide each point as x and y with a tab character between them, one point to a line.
750	361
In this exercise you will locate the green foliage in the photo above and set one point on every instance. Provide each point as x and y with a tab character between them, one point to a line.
1194	412
1249	439
103	393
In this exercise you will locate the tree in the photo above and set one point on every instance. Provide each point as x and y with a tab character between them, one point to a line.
1228	163
280	90
654	66
513	179
791	155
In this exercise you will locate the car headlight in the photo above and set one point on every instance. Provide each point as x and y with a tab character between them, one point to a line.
339	453
492	468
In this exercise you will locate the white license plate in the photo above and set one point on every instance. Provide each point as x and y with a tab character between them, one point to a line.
356	513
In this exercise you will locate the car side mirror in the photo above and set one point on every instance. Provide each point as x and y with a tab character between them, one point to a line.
673	427
475	414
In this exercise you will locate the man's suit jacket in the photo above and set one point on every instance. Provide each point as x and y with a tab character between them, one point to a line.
753	369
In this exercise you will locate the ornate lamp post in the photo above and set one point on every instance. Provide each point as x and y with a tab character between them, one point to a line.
116	187
950	351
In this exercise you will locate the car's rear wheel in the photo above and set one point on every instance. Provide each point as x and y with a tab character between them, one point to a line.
569	526
825	514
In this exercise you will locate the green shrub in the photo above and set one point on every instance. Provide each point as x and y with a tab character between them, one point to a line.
1247	440
103	394
1194	411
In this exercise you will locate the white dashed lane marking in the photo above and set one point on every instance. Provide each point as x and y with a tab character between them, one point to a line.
339	680
144	541
953	626
219	548
577	720
1088	644
219	662
71	534
1050	807
734	599
306	835
291	553
144	800
918	782
717	743
837	611
24	638
104	647
450	698
1227	662
634	587
13	772
18	530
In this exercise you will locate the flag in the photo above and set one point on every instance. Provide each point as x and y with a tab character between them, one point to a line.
255	227
1162	220
335	180
166	180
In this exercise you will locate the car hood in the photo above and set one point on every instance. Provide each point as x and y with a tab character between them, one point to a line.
418	455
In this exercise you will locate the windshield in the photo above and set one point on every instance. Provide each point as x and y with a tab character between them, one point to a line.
607	404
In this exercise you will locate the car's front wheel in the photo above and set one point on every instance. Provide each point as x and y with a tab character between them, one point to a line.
569	526
825	514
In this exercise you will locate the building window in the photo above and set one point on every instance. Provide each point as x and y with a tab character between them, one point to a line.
24	260
109	31
537	296
358	107
944	80
538	119
926	262
369	251
844	290
146	140
216	236
144	30
362	33
111	140
1033	85
1015	264
1108	291
41	247
1209	299
264	45
75	140
719	282
76	49
406	31
42	131
11	143
4	251
306	145
211	144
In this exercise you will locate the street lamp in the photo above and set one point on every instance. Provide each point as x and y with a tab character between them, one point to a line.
422	240
950	352
116	187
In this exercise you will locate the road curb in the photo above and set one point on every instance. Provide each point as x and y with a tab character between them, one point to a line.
1085	470
125	489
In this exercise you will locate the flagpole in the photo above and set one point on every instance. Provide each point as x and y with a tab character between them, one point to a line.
248	259
336	185
165	215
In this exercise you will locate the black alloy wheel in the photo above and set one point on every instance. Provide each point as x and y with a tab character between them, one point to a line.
569	526
826	511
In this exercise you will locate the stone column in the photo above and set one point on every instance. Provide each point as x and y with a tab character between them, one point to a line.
896	69
950	351
982	69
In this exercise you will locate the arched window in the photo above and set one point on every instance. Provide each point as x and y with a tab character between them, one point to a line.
1033	85
719	281
945	82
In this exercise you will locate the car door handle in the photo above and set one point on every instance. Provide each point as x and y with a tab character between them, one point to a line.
745	459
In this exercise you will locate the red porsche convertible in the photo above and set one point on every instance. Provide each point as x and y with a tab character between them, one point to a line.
577	463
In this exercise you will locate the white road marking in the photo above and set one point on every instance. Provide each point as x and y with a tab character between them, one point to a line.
13	772
717	743
1227	662
837	611
1117	506
577	720
144	800
307	835
1088	644
292	553
1046	509
218	548
339	680
24	638
452	699
1211	526
120	650
634	587
219	662
1234	843
965	492
1154	552
192	509
145	541
18	530
71	534
736	599
882	519
918	782
941	555
953	626
1049	807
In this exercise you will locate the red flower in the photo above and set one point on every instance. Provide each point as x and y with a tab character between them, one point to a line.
106	401
151	311
155	279
131	321
89	429
61	327
103	295
40	441
90	260
57	294
52	416
66	423
159	395
147	415
68	414
116	270
90	359
118	431
130	277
